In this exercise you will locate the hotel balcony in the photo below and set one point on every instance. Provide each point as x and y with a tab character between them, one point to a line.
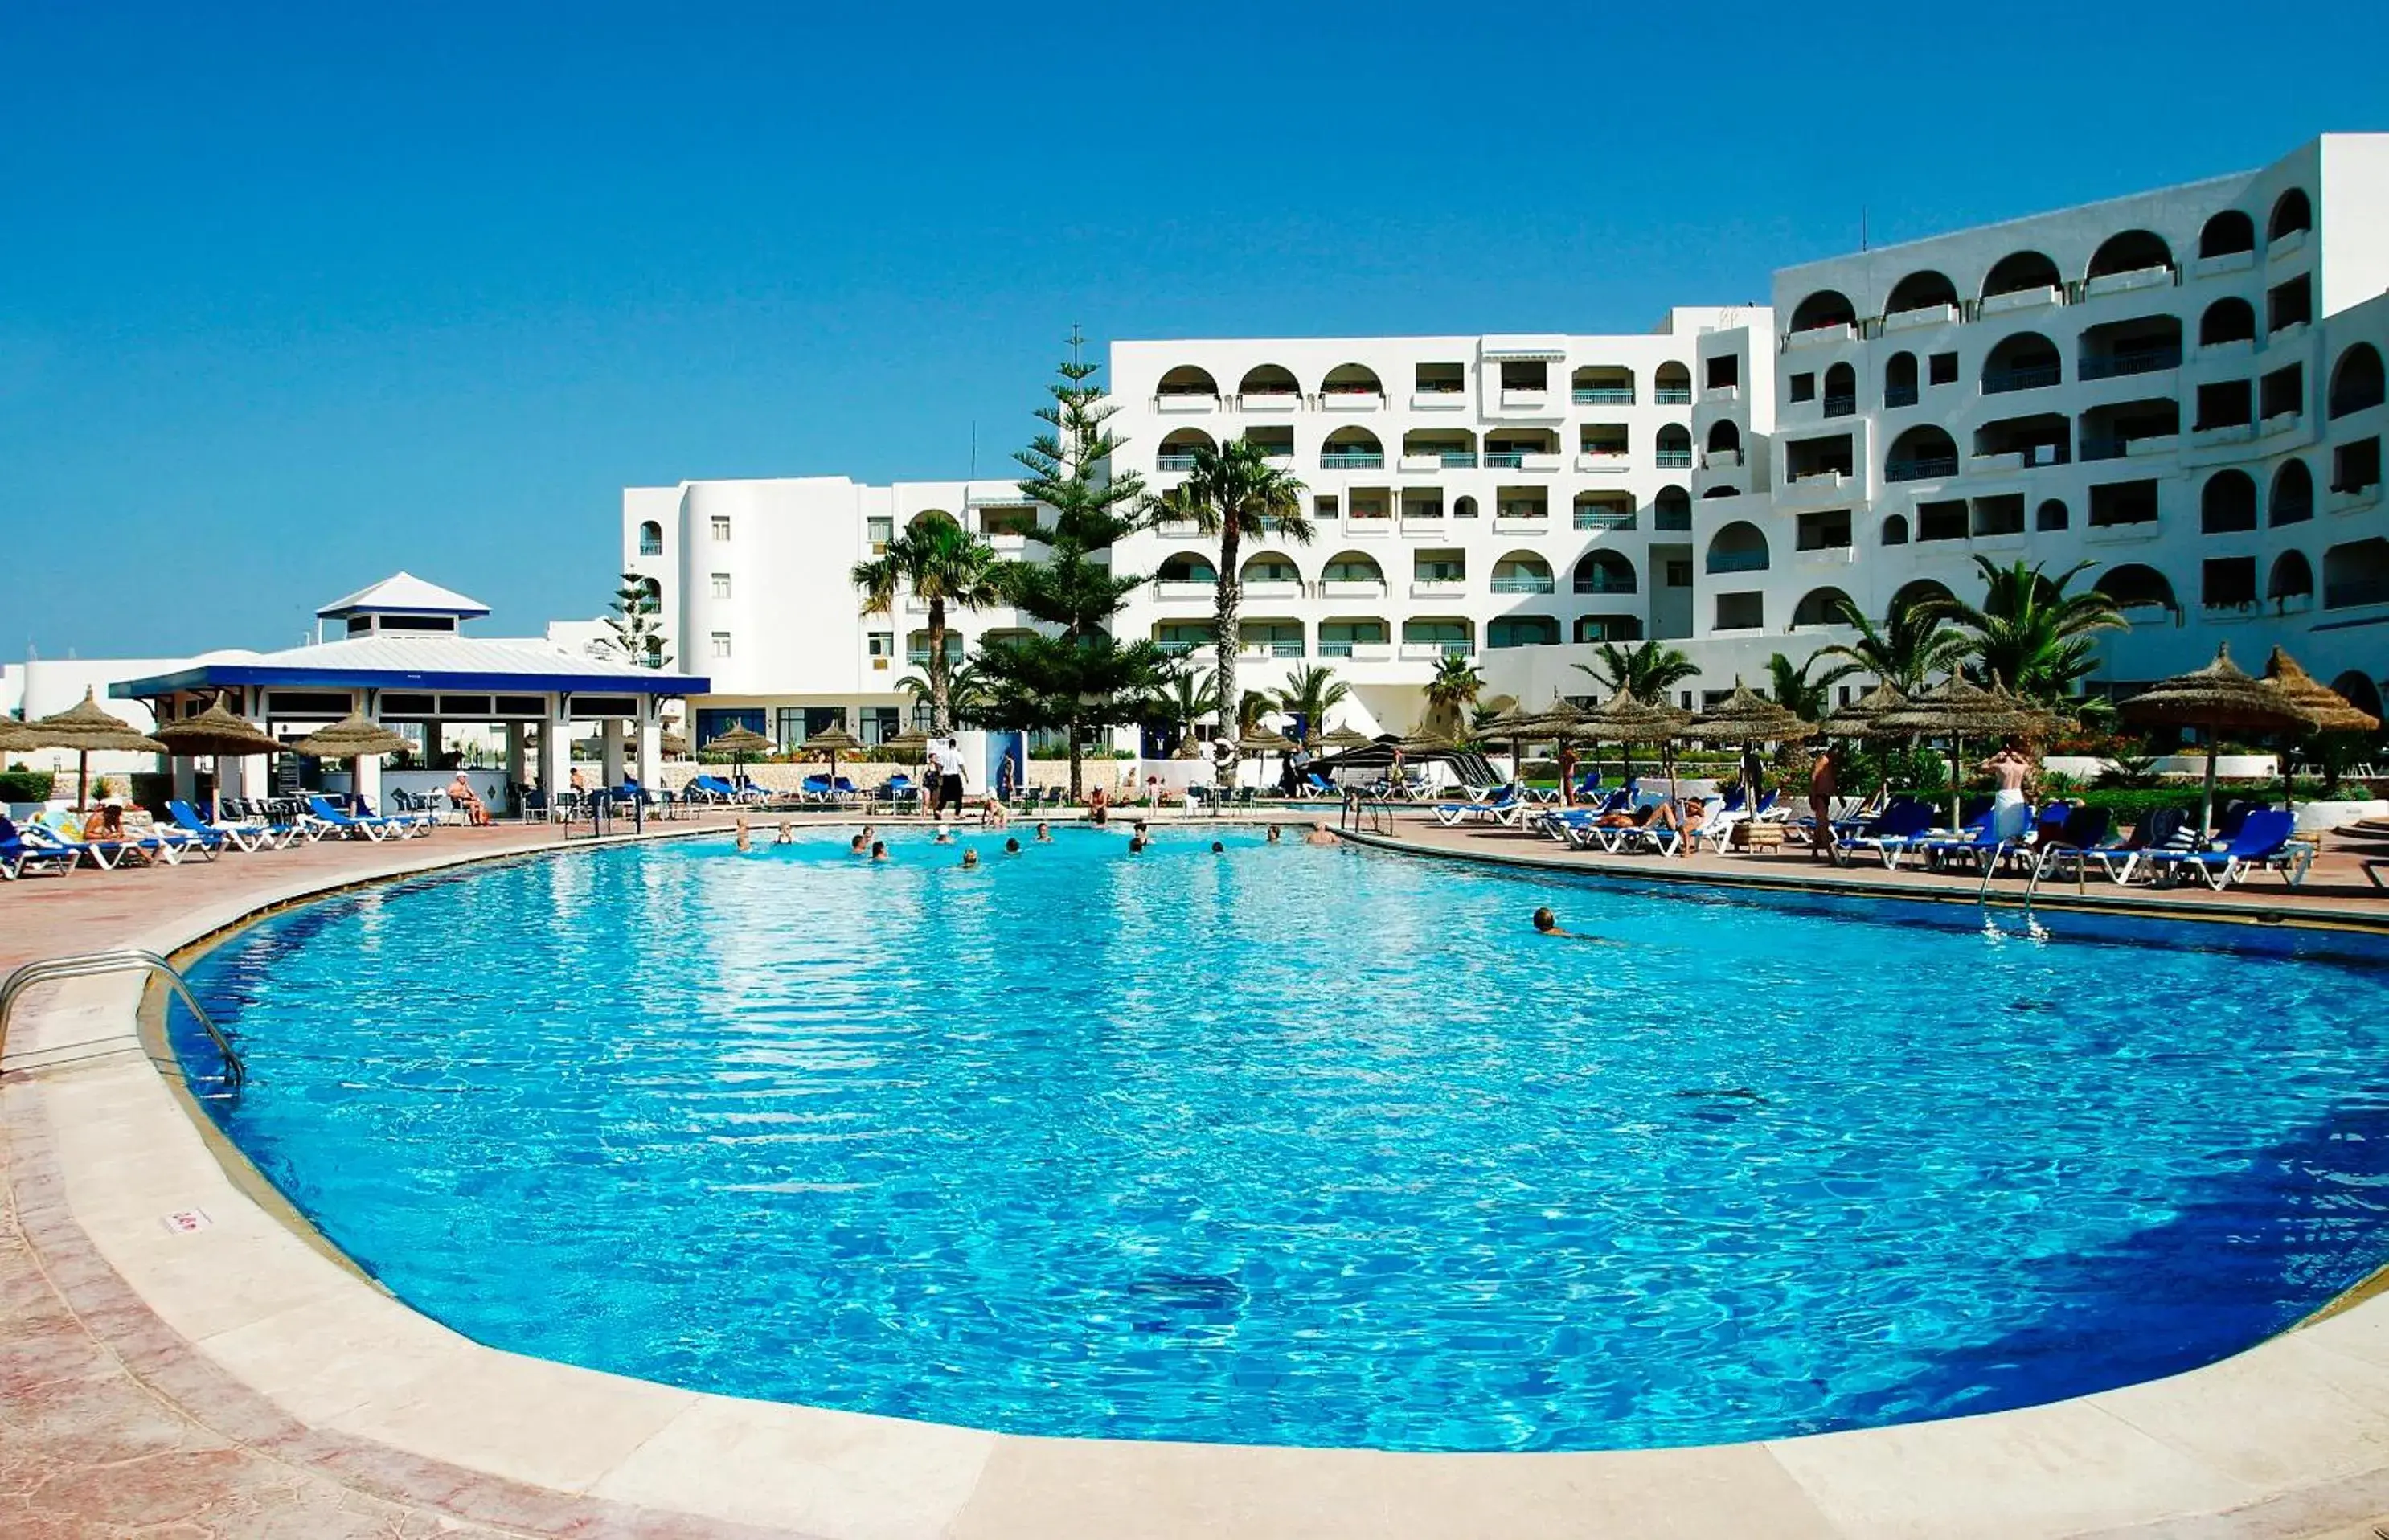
1606	395
1170	592
1440	587
1673	459
1603	462
1441	460
1672	395
1353	460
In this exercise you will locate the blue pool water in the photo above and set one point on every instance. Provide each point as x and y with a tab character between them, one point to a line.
1295	1145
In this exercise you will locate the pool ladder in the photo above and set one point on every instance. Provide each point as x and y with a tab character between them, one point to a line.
129	960
2032	925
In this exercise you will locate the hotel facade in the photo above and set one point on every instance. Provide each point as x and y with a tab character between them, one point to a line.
2181	388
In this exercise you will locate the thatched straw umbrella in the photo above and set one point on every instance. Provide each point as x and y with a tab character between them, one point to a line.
834	741
1260	742
215	733
739	741
673	747
86	729
352	737
1342	738
2332	711
1747	719
1956	709
1625	720
1857	718
2212	699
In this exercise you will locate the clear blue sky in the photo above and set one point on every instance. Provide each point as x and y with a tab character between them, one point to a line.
291	296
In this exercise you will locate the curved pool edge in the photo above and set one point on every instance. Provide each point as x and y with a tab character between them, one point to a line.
257	1333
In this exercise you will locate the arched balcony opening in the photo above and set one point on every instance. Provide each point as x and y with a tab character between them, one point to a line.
1602	572
1827	307
1920	591
1819	606
651	590
1671	509
2020	272
2356	688
1894	530
2226	504
2292	499
1724	437
1522	630
1739	547
1522	572
1352	448
1351	381
2357	573
1188	382
1270	568
2050	517
651	539
1899	380
1923	454
1601	384
1671	385
2227	234
2227	321
927	517
1672	447
1267	380
1464	507
2291	581
1841	390
1927	290
2131	251
1186	566
2293	214
1348	571
2136	586
2355	381
1178	447
2025	362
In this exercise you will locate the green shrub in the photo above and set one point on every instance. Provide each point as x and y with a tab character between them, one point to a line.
24	785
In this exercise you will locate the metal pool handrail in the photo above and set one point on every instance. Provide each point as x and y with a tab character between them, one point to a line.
92	964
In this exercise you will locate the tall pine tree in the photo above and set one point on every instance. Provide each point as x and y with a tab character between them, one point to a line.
1072	676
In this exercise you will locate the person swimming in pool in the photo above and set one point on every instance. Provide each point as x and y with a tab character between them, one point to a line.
970	859
1012	847
1318	835
1044	834
856	846
1217	849
744	839
943	836
879	849
1548	923
1274	834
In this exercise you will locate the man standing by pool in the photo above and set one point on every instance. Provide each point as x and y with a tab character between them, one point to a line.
1820	802
946	761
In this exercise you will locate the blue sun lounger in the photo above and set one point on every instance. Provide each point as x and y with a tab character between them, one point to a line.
351	826
1901	825
21	856
2263	843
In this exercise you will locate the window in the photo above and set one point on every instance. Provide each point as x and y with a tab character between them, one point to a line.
2290	304
1464	508
2226	403
1724	373
1322	507
1943	369
2282	393
721	585
721	644
651	539
1741	612
881	643
2050	517
1804	388
2355	466
1899	380
1826	531
2226	504
2228	582
879	531
1999	516
1894	530
721	527
1440	567
1942	521
2293	493
2123	502
1680	572
788	726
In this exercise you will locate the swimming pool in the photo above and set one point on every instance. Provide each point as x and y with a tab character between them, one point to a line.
1294	1145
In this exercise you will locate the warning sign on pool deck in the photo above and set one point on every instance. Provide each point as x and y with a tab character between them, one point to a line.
186	1221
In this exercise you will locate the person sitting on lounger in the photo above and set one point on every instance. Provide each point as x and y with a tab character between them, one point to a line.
461	792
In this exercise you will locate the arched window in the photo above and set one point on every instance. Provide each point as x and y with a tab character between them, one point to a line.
2134	586
2358	690
1188	379
1186	566
1922	453
2227	321
1352	380
651	590
1729	489
1920	292
2356	379
2132	251
2293	499
1352	448
1268	567
927	517
1827	307
1178	446
1841	390
1522	572
2025	362
2357	573
1899	380
1604	572
2226	504
1674	446
1352	567
2227	235
1894	530
1671	385
2020	272
2292	212
2292	577
1739	547
651	539
1268	380
1672	509
1819	606
1724	437
1464	508
2050	517
1917	592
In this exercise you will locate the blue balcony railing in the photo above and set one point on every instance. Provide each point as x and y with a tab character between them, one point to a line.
1596	518
1898	395
1604	395
1523	584
1353	460
1924	468
1672	395
1737	561
1841	406
2131	361
1673	459
1674	520
1452	459
1999	382
1504	459
1603	584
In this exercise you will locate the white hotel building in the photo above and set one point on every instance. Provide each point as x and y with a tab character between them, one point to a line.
2182	388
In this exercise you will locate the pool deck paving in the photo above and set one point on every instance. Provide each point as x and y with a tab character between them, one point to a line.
180	1356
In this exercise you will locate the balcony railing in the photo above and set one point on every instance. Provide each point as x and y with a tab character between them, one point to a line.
1737	561
2348	595
2130	361
1353	460
1526	585
1899	396
1176	649
1604	585
1674	520
1270	649
1336	649
1436	649
2001	381
1603	395
1173	461
1449	459
1841	406
1601	518
1505	460
1673	459
1672	395
1924	468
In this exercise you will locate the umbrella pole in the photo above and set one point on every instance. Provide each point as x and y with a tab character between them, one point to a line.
82	781
2206	798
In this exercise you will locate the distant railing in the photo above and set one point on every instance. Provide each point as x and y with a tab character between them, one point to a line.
2134	361
1673	519
1523	585
1505	460
1604	584
1922	468
1594	518
1673	459
1737	561
1999	382
1841	406
1672	395
1603	395
1353	460
1898	395
1173	463
2346	595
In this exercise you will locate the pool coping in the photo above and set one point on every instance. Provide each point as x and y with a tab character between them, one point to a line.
257	1333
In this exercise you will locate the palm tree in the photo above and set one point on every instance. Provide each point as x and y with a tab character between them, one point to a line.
1809	699
1309	693
1185	698
944	563
966	690
1455	686
1913	644
2029	634
1233	492
1647	672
